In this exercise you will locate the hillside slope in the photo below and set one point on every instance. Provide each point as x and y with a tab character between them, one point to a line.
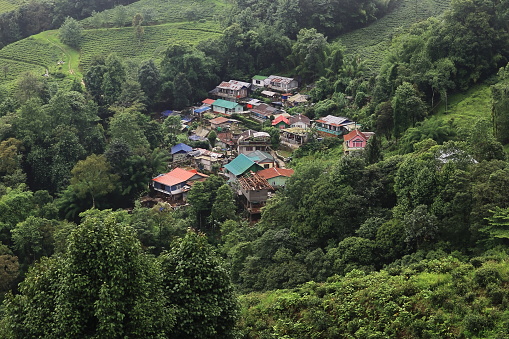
372	42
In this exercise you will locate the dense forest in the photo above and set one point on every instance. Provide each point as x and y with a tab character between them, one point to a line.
405	239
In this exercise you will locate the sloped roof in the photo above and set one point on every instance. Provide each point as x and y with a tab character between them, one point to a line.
280	118
202	109
208	101
260	77
225	103
219	120
274	172
234	85
299	118
333	120
365	136
260	156
177	176
277	78
240	165
299	98
181	148
264	109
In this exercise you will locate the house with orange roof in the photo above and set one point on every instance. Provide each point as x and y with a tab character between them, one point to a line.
355	140
276	176
177	182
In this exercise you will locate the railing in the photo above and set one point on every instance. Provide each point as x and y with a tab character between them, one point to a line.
330	131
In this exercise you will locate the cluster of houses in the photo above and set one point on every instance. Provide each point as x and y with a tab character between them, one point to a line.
244	157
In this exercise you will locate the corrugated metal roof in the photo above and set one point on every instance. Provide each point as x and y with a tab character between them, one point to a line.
181	148
270	173
240	165
333	120
260	77
177	176
279	119
260	156
208	101
234	85
225	104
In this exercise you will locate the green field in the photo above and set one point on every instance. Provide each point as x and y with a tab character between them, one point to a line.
8	5
123	42
465	108
164	11
372	42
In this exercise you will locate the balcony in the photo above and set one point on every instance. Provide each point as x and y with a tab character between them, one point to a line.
330	131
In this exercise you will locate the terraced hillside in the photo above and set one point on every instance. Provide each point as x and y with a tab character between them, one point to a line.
371	42
8	5
161	11
123	42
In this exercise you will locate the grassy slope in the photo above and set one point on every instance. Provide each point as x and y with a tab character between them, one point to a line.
8	5
44	50
465	108
165	11
372	42
123	42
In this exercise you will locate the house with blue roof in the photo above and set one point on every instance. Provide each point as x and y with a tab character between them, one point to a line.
179	152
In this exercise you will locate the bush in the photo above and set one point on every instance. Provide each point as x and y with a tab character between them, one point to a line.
486	275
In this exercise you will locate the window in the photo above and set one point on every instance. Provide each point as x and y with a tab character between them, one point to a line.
266	166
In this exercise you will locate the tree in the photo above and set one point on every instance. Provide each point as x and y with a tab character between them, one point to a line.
498	223
212	138
120	15
113	79
138	28
199	287
308	53
223	207
71	33
500	106
149	79
407	108
92	177
103	286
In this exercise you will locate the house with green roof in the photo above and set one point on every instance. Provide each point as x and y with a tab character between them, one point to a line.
226	107
240	166
263	159
258	81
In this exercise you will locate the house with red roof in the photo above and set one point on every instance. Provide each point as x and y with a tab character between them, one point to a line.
355	140
177	182
275	176
281	122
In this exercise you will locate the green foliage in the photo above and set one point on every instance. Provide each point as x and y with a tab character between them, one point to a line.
426	299
198	286
71	32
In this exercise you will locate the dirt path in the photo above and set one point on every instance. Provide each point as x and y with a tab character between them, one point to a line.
69	57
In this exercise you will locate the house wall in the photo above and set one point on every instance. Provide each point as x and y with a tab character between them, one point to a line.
278	181
256	196
245	149
179	156
300	124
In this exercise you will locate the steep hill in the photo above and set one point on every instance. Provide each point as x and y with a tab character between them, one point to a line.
372	42
8	5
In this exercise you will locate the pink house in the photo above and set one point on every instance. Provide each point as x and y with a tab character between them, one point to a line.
355	140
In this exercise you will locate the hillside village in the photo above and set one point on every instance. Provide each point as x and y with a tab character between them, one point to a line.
254	169
248	159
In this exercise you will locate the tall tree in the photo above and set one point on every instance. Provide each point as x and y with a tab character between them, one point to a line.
71	32
199	287
92	177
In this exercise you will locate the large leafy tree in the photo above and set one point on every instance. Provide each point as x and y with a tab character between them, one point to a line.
103	286
198	285
71	32
92	177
